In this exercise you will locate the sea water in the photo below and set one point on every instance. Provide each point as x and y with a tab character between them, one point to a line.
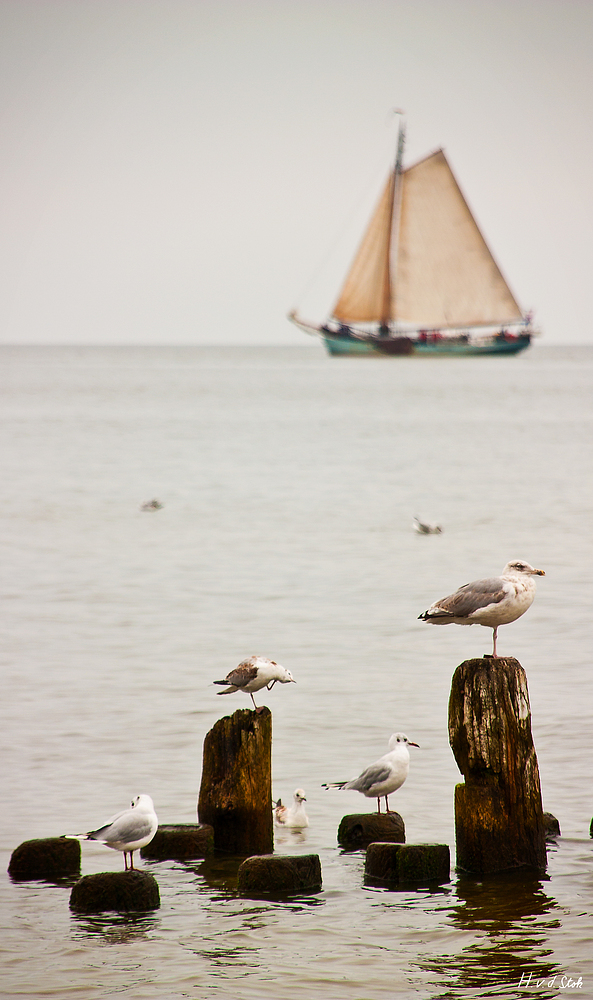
289	483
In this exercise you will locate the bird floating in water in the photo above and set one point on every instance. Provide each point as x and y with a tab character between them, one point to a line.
425	528
492	602
128	830
151	505
295	815
254	674
385	776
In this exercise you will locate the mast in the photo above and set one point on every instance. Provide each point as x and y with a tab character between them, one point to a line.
394	217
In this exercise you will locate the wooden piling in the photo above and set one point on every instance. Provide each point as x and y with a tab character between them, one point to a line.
50	857
358	830
498	811
236	789
123	892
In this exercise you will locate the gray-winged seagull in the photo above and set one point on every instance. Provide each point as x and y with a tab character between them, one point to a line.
492	602
254	674
128	830
385	776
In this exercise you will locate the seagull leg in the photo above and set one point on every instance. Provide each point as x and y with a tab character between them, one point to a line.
495	630
132	861
379	806
387	804
125	861
258	710
271	685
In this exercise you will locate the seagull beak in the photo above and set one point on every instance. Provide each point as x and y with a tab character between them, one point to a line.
539	572
410	744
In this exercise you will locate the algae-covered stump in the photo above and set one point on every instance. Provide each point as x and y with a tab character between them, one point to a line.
124	892
361	829
280	874
46	858
498	811
419	864
176	841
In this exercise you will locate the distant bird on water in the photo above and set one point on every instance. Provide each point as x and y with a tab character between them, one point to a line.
128	830
151	505
385	776
491	602
253	674
294	816
425	528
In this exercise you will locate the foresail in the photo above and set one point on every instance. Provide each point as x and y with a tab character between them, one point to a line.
446	275
366	294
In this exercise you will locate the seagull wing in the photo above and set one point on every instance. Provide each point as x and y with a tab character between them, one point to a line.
127	827
373	775
469	598
240	676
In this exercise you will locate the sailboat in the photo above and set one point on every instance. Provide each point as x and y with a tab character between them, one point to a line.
423	280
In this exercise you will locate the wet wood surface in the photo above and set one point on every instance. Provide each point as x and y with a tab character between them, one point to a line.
236	789
498	810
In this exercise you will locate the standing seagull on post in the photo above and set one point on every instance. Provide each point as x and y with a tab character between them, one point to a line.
385	776
253	674
491	602
128	830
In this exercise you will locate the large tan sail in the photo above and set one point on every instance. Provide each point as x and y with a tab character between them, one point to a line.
446	275
366	294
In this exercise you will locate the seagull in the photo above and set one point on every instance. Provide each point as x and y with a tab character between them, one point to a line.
128	830
492	602
254	674
295	816
386	775
151	505
425	528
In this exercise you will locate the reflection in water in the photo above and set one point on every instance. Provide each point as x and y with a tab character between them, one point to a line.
511	942
114	928
289	835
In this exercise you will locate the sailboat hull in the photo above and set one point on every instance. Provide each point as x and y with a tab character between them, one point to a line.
345	345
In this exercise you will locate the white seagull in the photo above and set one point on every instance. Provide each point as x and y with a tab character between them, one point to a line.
491	602
128	830
385	776
295	816
254	674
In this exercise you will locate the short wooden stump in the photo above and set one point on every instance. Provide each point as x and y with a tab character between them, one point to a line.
361	829
420	864
551	826
176	841
50	857
282	874
125	892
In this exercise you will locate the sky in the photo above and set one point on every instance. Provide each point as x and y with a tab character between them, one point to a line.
188	171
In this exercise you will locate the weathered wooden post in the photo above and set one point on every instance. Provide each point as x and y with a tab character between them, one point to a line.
498	811
236	789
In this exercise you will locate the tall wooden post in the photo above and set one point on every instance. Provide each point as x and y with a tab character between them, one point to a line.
498	811
236	790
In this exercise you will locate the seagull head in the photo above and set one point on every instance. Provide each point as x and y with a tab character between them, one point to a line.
299	795
142	802
520	566
284	675
400	739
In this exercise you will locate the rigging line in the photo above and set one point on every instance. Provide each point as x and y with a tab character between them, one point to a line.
372	184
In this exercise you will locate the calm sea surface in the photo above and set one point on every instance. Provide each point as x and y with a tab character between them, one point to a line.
289	482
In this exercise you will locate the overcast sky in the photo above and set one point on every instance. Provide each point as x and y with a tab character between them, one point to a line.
187	171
